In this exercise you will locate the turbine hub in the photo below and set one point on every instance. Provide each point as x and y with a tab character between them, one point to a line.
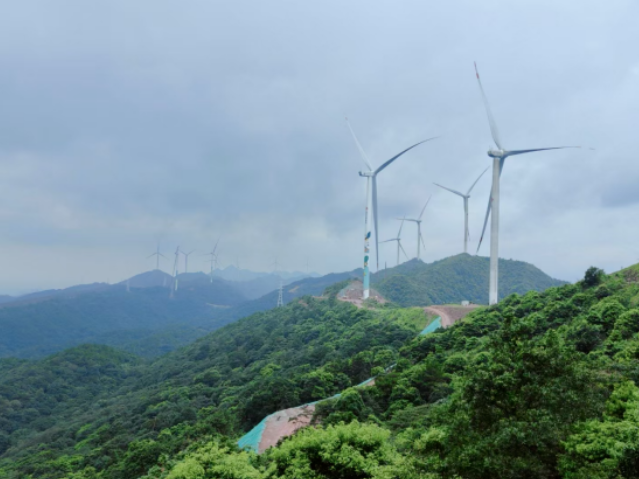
496	153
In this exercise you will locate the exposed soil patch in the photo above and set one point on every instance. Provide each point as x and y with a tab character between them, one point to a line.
450	314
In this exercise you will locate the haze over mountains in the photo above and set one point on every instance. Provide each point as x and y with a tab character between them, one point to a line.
140	316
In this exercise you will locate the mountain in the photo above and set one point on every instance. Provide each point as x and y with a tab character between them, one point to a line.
540	385
232	273
457	278
301	352
149	279
112	315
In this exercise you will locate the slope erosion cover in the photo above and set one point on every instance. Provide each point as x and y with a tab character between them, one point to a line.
222	384
457	278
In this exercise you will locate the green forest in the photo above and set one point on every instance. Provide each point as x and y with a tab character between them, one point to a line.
542	385
457	278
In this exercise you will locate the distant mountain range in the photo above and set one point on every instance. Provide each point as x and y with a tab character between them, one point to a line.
140	316
232	273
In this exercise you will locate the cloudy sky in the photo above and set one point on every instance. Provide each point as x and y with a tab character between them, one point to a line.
123	122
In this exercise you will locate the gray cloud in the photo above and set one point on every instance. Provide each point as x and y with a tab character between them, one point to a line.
123	122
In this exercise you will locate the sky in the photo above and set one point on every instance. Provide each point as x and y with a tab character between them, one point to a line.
127	123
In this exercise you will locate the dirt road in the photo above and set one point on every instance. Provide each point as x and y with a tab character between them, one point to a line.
450	314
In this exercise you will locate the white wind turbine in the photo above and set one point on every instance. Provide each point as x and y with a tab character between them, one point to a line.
399	241
157	254
371	204
186	260
499	157
465	197
419	226
213	260
175	269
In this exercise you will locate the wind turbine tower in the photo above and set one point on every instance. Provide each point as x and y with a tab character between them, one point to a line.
213	260
465	197
499	156
371	204
418	221
175	270
157	254
186	260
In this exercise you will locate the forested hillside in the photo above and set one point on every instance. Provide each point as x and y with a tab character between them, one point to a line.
540	385
112	316
455	279
143	319
222	384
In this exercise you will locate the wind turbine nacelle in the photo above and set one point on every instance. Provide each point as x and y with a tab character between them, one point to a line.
366	174
496	153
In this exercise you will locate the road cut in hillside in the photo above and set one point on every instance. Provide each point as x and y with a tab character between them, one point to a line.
286	422
450	314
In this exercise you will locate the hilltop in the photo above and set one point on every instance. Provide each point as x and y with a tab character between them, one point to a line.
457	278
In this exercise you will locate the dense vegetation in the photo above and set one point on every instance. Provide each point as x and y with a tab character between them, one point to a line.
457	278
541	385
126	421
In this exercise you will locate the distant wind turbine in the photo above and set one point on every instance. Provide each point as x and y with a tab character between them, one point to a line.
157	254
420	238
371	204
399	241
186	260
465	197
499	157
213	260
175	269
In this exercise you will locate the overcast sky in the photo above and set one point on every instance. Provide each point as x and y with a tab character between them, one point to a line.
126	122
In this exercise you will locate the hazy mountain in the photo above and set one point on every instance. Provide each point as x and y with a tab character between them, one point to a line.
36	328
149	279
232	273
457	278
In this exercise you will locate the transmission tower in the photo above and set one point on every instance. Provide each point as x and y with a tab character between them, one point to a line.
280	298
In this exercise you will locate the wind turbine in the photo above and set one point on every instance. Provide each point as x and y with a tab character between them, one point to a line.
213	259
175	269
186	260
157	254
499	157
465	197
371	204
399	241
419	226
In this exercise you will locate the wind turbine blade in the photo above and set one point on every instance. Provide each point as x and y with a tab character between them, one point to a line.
388	241
402	248
388	162
481	238
451	190
407	219
521	152
359	147
424	208
399	233
375	218
151	255
422	238
478	178
491	120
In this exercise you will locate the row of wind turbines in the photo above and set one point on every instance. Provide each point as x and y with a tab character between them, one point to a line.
418	221
498	155
213	261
